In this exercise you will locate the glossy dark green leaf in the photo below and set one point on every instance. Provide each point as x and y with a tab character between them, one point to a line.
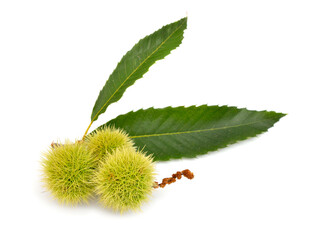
137	62
171	133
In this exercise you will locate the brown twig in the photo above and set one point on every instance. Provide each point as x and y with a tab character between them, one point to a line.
55	145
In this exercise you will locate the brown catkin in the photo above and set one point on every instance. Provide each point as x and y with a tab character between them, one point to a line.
178	175
188	174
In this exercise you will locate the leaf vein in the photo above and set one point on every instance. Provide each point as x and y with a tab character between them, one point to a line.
97	114
194	131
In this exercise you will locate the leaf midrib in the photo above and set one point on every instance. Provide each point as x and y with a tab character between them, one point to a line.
194	131
97	114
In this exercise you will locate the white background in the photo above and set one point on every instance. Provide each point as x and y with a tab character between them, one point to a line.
55	56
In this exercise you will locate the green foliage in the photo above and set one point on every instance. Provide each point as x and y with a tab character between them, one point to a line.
106	140
68	170
124	180
106	161
187	132
137	62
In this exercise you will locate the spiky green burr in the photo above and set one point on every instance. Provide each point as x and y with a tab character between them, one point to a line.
106	140
67	172
124	179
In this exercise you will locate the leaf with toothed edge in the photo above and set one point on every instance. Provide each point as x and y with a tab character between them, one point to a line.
185	132
137	62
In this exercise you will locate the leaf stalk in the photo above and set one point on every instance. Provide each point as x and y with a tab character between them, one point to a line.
86	132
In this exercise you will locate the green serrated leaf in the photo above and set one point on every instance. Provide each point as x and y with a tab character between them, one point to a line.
187	132
137	62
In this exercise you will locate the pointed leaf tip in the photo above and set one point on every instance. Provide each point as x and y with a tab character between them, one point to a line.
137	62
